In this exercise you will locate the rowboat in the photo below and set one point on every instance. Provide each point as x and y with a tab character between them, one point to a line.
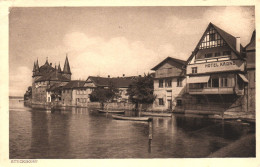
156	114
120	117
111	111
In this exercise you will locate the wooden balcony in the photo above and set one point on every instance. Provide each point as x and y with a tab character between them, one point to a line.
228	90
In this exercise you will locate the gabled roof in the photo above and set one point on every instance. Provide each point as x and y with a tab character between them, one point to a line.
228	38
180	63
251	44
74	84
120	82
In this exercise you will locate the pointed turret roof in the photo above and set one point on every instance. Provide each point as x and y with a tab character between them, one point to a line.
59	69
47	63
66	69
33	66
37	66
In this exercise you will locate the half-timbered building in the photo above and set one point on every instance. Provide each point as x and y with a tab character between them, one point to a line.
216	73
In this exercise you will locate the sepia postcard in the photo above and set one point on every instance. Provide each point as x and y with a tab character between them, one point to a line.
129	83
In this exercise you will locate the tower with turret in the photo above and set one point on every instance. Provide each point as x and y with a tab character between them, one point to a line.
66	70
47	76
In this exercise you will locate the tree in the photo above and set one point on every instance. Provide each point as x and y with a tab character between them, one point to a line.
28	93
104	95
141	91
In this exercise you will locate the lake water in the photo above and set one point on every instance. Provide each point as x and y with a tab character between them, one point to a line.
86	133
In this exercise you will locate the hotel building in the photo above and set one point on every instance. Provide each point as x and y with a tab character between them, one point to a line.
216	73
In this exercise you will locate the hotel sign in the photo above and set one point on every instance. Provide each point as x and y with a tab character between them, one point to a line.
220	64
217	66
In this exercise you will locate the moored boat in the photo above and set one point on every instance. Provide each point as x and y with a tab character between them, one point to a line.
111	111
121	117
157	114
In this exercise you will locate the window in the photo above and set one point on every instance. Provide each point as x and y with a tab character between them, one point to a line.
179	102
161	101
217	54
212	37
194	70
208	55
209	83
168	83
215	82
227	53
224	82
160	83
179	82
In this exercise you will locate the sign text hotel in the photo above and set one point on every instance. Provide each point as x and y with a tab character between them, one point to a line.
220	64
217	66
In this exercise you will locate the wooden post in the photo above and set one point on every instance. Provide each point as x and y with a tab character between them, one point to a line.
150	121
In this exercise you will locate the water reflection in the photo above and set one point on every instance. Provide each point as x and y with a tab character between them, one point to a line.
85	133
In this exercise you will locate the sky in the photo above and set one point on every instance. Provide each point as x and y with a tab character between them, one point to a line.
112	40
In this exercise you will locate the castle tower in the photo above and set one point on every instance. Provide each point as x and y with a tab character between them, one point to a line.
66	69
33	69
37	68
59	69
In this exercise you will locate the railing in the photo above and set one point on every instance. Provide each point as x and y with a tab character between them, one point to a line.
211	59
225	90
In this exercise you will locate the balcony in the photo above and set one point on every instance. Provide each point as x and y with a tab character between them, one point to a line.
197	91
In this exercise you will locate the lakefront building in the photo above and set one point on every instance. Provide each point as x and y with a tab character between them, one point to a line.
250	68
47	80
75	94
169	84
121	83
216	73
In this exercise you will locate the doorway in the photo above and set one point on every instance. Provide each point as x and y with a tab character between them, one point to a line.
169	104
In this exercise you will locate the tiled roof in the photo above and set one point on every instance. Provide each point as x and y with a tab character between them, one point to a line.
230	39
57	86
251	44
74	84
44	69
122	82
180	63
52	76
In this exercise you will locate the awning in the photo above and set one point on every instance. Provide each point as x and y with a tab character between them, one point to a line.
198	79
243	77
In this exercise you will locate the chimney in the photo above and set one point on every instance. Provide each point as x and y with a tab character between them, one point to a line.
238	44
108	76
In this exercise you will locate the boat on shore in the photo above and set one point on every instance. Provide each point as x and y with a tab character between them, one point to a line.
111	111
156	114
121	117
